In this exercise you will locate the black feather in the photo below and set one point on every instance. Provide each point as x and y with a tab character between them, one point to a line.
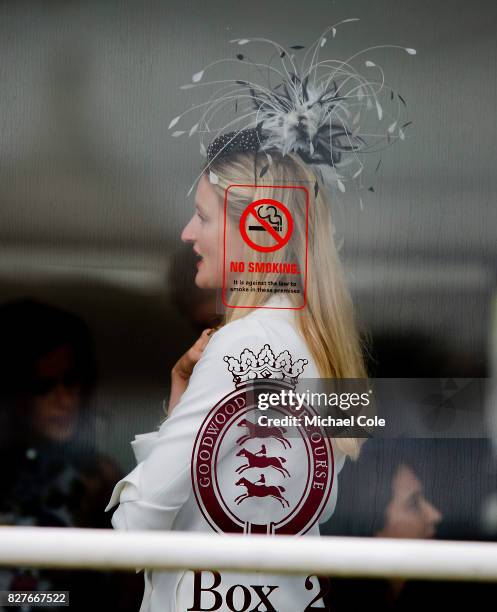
263	171
316	189
240	56
255	102
371	189
297	47
304	88
402	100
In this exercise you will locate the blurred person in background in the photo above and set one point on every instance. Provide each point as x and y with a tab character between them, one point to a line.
384	494
51	472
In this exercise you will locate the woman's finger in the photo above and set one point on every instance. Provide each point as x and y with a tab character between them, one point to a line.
203	340
185	365
194	353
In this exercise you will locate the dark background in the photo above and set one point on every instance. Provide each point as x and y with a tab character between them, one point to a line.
93	188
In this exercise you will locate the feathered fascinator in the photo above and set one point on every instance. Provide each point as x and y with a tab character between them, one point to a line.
325	110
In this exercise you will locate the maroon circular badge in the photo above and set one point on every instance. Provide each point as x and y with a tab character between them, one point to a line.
256	471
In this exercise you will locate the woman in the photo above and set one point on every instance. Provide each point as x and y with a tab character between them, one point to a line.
48	377
51	472
297	137
324	334
384	496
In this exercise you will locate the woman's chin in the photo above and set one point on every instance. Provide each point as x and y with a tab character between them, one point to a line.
201	281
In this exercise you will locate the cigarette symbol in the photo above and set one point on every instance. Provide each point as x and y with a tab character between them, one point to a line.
272	216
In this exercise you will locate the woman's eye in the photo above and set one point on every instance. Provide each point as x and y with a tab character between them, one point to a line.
201	217
414	503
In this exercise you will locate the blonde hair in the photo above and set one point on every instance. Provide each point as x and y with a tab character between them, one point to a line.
327	322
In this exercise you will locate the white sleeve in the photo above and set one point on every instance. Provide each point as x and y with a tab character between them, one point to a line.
151	495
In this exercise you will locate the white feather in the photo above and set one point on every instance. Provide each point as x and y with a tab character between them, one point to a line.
324	111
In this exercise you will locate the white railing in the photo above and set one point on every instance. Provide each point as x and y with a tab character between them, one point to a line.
327	556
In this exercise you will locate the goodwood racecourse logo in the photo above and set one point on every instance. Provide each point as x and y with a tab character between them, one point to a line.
258	478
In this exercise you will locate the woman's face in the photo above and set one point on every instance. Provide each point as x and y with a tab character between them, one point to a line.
409	514
205	231
56	395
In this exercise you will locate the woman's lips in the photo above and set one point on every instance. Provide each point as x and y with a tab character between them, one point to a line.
62	421
200	258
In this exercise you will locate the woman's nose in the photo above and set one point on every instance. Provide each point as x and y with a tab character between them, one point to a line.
66	397
188	235
434	515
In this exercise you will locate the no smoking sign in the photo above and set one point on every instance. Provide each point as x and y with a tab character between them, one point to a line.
266	216
266	226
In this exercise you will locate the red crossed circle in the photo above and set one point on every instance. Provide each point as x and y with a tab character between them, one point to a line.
280	240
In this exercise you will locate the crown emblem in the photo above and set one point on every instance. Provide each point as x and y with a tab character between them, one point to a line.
265	365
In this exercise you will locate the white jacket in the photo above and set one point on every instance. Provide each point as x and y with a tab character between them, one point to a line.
158	493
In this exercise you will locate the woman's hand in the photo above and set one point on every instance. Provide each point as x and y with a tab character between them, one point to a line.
182	370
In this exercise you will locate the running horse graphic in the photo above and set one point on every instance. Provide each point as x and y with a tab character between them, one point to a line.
262	490
261	431
255	461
